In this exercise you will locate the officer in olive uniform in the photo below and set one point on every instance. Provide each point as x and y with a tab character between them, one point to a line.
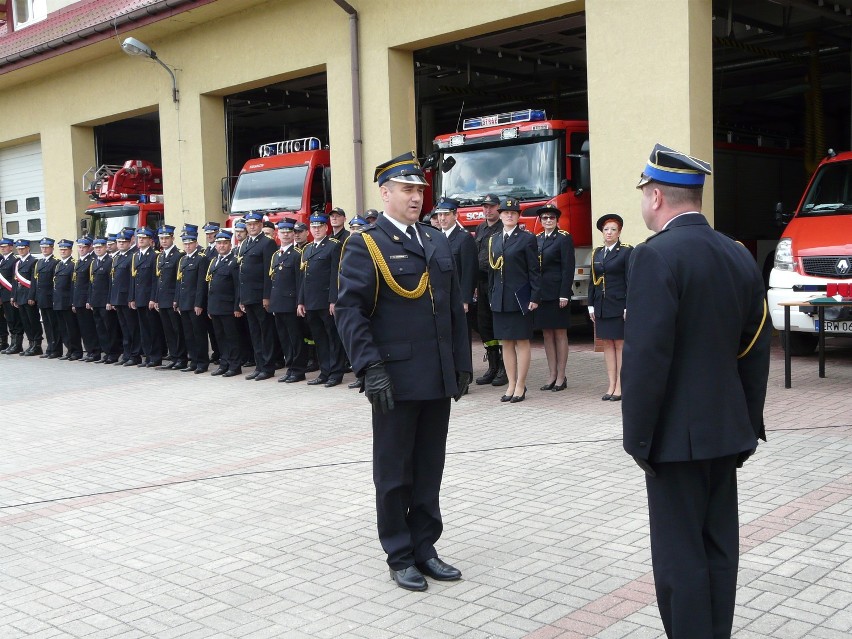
8	260
190	300
400	315
696	365
223	304
317	296
120	298
285	274
63	302
42	293
164	297
79	302
106	321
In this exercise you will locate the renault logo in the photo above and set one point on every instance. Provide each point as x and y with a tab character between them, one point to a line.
842	266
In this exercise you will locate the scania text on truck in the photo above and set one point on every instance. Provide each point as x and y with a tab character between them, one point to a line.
521	154
130	195
814	252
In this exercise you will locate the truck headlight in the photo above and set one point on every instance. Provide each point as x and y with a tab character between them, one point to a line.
784	255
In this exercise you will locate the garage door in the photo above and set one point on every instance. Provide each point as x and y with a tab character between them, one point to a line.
22	193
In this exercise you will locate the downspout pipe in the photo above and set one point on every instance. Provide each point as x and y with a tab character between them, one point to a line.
355	71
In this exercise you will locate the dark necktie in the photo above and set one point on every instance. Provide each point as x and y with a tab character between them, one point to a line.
412	233
505	238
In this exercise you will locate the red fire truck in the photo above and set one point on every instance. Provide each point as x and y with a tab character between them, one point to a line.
130	195
521	154
291	178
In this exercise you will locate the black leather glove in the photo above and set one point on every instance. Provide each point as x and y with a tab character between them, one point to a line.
644	465
462	381
743	456
378	387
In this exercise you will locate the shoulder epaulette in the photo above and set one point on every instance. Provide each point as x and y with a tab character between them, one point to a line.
563	232
334	239
539	234
626	245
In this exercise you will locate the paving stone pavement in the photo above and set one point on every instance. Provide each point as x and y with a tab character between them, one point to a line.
143	503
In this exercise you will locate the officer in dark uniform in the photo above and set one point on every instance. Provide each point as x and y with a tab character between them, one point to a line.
120	298
63	302
285	274
223	304
496	373
255	258
106	321
400	315
371	215
696	365
83	314
8	260
210	230
5	249
42	292
111	244
337	220
190	301
142	289
317	296
23	298
300	235
164	297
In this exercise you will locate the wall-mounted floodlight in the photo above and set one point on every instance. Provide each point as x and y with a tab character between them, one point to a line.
132	46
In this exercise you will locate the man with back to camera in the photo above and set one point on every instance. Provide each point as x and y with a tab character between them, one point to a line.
695	369
400	316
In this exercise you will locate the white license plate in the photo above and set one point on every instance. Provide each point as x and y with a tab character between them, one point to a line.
842	326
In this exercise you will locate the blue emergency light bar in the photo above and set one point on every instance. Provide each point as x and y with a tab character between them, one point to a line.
289	146
512	117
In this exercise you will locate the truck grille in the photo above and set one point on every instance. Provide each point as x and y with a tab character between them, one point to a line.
836	267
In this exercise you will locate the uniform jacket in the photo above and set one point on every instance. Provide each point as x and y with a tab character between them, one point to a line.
519	267
7	270
210	251
120	280
695	304
483	232
463	247
556	257
63	285
100	276
423	341
319	274
191	286
81	280
341	235
25	269
285	274
609	294
254	257
42	290
143	283
166	274
223	286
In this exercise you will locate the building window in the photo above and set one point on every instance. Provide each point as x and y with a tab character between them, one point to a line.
32	204
11	206
34	225
13	228
27	12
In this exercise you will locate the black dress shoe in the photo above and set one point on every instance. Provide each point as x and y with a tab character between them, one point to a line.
561	386
506	398
156	364
519	398
75	358
188	369
606	397
615	398
111	360
332	382
53	356
253	375
439	570
64	358
409	578
262	376
549	386
295	377
249	363
316	381
165	367
200	370
133	362
356	384
232	373
219	371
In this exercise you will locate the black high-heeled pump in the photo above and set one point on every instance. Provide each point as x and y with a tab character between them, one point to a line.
506	398
519	398
561	387
549	386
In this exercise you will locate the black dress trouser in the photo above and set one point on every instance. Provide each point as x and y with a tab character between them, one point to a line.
262	333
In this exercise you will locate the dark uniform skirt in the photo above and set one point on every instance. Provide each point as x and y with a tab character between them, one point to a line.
513	325
549	315
609	327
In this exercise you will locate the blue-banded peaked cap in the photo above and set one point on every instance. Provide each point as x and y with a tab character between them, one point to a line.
66	244
674	168
403	168
446	204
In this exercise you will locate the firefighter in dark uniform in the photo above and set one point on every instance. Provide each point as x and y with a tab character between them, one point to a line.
8	260
400	315
496	373
255	256
317	296
190	301
696	364
111	244
285	273
300	235
5	249
223	304
119	300
337	220
210	230
106	321
63	302
42	293
142	289
79	302
164	297
23	298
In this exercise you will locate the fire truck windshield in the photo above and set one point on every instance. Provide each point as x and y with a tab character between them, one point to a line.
831	192
271	190
106	220
526	170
